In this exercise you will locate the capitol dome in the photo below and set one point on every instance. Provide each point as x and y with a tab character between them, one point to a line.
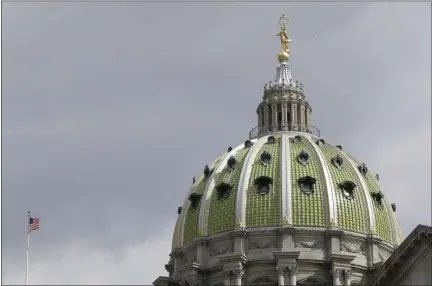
284	207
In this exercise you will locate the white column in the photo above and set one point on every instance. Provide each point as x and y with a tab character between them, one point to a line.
227	276
284	116
266	118
274	116
308	113
280	269
347	276
302	116
292	270
294	115
336	273
238	274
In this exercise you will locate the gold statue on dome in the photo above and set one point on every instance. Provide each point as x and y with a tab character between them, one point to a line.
284	53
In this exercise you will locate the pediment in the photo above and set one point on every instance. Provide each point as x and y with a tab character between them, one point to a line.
311	281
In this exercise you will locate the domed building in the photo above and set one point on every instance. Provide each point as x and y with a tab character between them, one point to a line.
284	207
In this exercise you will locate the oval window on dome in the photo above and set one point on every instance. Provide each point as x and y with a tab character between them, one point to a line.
271	140
363	169
339	147
248	144
320	142
223	191
393	205
229	149
378	198
179	209
207	172
265	158
263	185
297	139
337	162
347	189
232	163
194	200
303	158
307	184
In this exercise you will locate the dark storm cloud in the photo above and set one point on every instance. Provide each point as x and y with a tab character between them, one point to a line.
110	109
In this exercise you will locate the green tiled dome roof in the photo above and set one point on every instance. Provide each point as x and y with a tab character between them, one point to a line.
286	178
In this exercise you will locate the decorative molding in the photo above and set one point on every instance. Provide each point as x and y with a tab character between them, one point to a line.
238	273
220	248
260	244
347	273
383	256
226	273
292	270
280	269
352	247
193	280
335	272
308	244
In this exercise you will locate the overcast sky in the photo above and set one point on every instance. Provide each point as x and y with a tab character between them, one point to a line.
110	109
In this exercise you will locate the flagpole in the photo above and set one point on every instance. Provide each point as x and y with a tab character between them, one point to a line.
28	247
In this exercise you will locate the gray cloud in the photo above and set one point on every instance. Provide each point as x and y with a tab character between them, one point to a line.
110	109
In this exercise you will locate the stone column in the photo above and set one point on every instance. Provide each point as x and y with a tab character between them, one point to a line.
274	117
292	271
227	277
238	274
308	116
280	269
336	273
266	118
260	117
347	276
294	115
284	108
302	117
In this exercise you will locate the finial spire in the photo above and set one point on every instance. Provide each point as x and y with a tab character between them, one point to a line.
283	55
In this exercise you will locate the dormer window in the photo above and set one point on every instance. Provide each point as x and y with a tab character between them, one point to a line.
265	158
378	197
337	162
232	163
303	158
194	200
339	147
320	142
229	149
393	205
307	184
271	140
363	169
223	191
179	209
297	139
347	189
207	172
248	144
263	184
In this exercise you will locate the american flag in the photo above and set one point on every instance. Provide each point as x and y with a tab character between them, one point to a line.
33	224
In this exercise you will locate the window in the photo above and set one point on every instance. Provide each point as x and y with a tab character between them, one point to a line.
303	158
232	163
263	184
271	140
207	172
223	191
393	207
320	142
297	139
337	162
248	144
179	209
307	184
194	200
378	197
347	189
363	169
265	158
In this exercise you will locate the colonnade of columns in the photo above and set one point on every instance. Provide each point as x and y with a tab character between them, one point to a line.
293	116
341	276
287	275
